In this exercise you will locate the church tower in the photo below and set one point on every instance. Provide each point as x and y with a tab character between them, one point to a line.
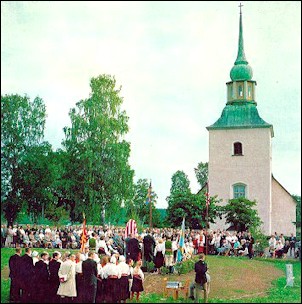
240	151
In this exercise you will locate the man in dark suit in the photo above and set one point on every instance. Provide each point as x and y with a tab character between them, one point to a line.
89	270
54	281
149	245
41	277
27	275
15	285
133	249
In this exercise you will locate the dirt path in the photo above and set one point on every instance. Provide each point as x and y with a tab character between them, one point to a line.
248	279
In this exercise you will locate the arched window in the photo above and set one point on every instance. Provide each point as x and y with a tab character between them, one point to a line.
239	190
237	148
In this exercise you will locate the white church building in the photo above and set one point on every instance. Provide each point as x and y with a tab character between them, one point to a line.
240	154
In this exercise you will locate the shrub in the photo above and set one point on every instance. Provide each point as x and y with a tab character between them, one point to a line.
164	270
185	266
92	243
150	266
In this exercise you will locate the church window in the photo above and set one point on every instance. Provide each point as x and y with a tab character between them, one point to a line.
230	87
237	148
240	90
249	91
239	190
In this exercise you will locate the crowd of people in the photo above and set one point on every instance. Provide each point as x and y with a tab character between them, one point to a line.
110	266
281	247
108	240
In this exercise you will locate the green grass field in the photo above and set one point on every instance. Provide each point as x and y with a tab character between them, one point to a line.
276	294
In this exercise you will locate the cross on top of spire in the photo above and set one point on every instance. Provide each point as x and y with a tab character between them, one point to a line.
240	5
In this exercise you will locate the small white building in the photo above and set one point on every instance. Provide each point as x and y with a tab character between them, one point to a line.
240	154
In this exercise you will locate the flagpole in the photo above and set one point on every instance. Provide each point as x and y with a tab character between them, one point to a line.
149	194
207	217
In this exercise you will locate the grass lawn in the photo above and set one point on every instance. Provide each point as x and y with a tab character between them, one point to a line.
276	294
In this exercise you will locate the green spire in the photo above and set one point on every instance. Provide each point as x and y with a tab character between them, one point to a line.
240	56
241	70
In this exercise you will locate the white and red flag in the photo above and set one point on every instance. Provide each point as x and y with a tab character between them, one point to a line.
131	228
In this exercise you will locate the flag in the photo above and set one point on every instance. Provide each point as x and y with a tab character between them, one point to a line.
207	195
180	250
84	236
131	228
148	200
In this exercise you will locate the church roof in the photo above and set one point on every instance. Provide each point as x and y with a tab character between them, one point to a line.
240	116
273	178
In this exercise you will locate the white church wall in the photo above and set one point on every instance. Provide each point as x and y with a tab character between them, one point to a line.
283	210
253	168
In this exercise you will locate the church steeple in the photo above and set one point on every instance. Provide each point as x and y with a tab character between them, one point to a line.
241	108
241	70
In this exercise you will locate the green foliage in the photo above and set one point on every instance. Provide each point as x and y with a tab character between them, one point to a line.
36	177
240	213
185	266
297	198
150	266
100	176
179	201
22	127
138	202
5	287
182	203
180	183
92	243
201	173
164	270
261	241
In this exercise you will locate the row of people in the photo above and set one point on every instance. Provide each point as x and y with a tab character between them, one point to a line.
78	278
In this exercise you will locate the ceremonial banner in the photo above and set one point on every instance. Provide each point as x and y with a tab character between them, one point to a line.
180	251
84	237
131	228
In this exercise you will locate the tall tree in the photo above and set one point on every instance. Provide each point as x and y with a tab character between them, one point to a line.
98	153
180	183
22	126
240	213
180	199
201	173
36	178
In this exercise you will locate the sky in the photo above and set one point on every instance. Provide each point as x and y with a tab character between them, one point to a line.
172	60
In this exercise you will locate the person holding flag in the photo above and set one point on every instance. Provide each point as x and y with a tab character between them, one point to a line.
84	236
180	251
